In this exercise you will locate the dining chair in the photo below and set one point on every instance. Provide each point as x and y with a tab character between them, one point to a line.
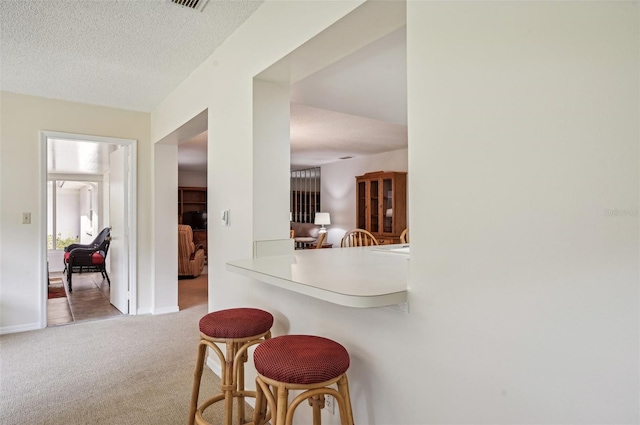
404	236
358	237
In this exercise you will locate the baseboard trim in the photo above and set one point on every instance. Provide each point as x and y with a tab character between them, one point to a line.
143	311
166	310
20	328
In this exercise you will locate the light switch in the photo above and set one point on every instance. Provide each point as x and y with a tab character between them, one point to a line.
224	218
26	218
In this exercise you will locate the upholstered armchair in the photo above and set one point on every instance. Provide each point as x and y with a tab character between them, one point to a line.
190	255
304	234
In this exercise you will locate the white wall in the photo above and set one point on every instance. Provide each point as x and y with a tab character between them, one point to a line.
338	193
192	179
271	139
22	118
523	150
523	133
165	289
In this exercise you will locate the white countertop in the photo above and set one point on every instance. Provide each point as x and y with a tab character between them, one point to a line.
360	277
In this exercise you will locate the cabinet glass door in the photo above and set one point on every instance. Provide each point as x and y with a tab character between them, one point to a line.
375	206
387	205
361	219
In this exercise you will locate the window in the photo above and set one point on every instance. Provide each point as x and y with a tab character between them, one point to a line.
71	213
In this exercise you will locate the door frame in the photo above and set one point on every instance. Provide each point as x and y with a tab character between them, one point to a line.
132	203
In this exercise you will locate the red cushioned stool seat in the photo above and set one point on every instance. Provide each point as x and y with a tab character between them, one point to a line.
236	323
300	362
238	329
301	359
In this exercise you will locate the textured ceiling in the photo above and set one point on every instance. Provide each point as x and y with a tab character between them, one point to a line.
320	136
124	54
130	54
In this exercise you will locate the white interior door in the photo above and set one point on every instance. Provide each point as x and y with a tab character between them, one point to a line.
119	248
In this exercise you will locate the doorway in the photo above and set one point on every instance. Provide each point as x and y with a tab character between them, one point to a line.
89	185
180	160
193	212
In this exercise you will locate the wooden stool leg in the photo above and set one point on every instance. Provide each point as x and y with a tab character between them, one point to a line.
240	385
317	404
282	403
227	383
260	410
197	378
346	417
257	410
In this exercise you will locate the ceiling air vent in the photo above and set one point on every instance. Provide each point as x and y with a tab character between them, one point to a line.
191	4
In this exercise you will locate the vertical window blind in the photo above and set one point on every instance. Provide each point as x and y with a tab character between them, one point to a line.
305	194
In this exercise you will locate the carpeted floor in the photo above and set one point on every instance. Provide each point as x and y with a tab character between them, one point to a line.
126	370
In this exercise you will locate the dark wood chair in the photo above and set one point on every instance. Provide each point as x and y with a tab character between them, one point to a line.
86	258
104	233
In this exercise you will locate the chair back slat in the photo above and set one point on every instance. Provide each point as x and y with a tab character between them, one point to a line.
358	237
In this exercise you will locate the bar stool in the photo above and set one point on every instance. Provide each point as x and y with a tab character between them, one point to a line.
300	362
238	329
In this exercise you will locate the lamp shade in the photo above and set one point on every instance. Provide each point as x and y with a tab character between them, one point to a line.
322	218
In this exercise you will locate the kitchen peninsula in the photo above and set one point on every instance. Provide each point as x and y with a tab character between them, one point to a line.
361	277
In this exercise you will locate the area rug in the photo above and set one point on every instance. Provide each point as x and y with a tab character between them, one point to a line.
56	288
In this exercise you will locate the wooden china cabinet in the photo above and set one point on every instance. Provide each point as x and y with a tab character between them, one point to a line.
381	204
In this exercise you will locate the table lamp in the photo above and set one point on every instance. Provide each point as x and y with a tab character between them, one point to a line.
322	218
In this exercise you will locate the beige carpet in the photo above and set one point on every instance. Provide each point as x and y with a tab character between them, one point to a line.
126	370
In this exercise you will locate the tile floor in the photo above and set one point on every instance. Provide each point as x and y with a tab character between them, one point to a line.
88	301
58	312
90	298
